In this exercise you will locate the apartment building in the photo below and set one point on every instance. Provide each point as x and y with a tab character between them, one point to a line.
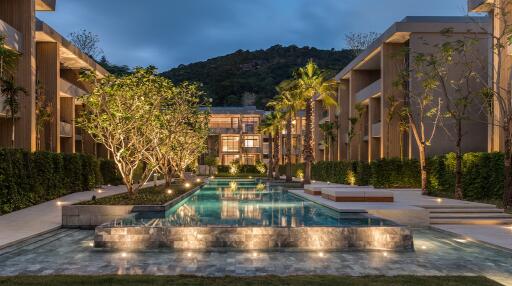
496	139
367	83
49	64
234	135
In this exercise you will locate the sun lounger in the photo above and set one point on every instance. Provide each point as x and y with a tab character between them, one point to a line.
357	194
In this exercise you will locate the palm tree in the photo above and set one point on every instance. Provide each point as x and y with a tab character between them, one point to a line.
11	93
289	102
313	85
271	125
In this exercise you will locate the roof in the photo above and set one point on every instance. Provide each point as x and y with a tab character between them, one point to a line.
400	32
236	110
71	57
480	5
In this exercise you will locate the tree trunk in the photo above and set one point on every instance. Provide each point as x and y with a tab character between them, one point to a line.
289	150
168	178
458	164
13	129
507	192
308	142
401	145
276	156
270	159
423	167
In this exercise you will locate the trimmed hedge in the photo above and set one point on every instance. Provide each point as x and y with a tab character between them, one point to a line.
28	178
110	173
244	169
483	176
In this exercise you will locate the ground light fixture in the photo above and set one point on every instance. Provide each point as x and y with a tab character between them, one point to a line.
439	200
198	180
169	191
187	185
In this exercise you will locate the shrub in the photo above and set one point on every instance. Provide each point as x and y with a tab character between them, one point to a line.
28	178
395	173
110	173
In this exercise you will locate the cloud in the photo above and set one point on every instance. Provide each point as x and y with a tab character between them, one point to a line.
166	33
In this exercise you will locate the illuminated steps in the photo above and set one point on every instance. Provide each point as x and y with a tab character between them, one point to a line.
468	215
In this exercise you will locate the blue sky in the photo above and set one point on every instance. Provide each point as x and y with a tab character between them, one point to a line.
167	33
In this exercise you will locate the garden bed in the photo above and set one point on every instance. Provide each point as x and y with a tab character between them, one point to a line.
147	196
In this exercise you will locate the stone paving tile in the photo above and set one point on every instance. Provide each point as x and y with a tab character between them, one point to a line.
436	254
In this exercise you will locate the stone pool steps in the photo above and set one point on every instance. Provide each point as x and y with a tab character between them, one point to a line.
468	215
35	242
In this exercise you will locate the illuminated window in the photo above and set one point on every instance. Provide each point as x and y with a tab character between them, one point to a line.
227	159
250	124
230	144
248	159
251	141
223	122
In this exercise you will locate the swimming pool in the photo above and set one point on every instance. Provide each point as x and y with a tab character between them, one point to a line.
249	214
253	203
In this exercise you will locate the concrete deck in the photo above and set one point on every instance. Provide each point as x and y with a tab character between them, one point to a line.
409	208
38	219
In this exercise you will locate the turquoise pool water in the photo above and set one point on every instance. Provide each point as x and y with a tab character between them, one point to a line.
253	203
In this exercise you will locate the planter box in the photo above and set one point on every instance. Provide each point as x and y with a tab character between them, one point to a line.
91	216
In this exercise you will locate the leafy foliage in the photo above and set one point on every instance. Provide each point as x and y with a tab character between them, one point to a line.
28	178
226	78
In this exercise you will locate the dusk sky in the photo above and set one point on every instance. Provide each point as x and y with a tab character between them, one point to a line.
167	33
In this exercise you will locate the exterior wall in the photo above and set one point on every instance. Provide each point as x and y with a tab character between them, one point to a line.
475	130
43	55
20	14
377	136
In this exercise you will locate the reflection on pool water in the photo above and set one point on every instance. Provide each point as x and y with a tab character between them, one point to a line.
253	203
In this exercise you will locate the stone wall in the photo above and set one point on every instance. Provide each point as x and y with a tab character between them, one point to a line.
255	238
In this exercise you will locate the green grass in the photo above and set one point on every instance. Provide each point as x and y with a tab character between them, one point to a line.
147	196
245	281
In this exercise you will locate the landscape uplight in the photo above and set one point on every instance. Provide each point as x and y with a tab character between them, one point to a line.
187	185
169	191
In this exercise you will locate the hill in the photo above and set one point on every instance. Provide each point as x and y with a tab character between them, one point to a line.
250	77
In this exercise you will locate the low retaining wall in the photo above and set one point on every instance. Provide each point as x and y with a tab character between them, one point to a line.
255	238
91	216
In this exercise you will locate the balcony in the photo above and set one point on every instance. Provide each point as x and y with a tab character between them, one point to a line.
66	130
251	150
71	90
224	130
377	130
13	38
369	91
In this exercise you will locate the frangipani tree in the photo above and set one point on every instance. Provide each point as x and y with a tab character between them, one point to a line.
120	114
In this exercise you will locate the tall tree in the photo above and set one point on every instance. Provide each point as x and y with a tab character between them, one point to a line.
271	125
421	107
289	102
120	113
313	85
87	42
11	92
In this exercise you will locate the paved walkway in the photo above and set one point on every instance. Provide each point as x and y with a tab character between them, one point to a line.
499	235
47	216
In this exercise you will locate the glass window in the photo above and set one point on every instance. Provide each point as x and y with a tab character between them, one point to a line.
230	143
227	159
249	160
252	141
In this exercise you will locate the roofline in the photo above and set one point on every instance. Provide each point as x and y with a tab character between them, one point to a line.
480	5
45	5
414	24
90	63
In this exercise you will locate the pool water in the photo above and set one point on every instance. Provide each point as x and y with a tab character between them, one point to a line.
252	203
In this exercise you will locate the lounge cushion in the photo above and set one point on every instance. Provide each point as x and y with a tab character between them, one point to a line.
359	194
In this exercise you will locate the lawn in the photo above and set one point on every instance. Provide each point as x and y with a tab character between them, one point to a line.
147	196
244	281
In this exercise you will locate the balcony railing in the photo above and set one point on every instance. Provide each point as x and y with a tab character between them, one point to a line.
369	91
66	130
224	130
70	89
13	38
377	129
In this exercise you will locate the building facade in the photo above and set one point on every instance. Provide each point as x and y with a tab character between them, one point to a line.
499	20
367	84
49	65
